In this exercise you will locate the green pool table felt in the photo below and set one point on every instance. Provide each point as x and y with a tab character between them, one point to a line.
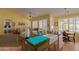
37	39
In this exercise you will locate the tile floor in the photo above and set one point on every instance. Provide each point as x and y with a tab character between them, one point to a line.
9	42
10	48
71	46
68	46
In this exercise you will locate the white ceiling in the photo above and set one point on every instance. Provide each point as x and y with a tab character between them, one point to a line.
42	11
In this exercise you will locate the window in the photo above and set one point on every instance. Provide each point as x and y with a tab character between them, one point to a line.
40	24
60	24
65	24
44	24
68	24
71	24
35	24
77	24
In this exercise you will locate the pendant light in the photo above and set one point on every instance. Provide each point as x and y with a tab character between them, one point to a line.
30	15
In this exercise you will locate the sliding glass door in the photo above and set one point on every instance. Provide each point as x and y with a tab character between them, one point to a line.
69	24
63	24
72	24
77	24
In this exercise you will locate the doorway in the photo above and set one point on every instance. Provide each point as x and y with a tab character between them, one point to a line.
7	26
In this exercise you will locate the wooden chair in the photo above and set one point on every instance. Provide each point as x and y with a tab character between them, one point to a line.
72	36
65	37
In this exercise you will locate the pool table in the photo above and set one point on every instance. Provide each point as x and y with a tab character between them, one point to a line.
37	43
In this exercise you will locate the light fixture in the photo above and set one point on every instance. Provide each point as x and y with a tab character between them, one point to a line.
66	12
30	15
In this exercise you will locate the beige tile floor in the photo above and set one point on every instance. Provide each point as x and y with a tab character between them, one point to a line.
9	42
10	48
68	46
71	46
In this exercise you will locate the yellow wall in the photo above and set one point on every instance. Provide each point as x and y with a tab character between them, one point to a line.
14	15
